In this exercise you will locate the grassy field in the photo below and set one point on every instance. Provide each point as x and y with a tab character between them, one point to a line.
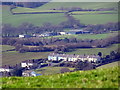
50	70
56	18
6	47
13	57
100	78
105	51
28	10
110	65
87	36
94	12
36	19
84	5
96	18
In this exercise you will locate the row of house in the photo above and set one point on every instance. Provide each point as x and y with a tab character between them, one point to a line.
46	34
73	58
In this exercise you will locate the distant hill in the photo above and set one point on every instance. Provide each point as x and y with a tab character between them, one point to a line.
100	78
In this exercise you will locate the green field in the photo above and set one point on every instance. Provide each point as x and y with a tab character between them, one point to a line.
29	10
50	70
110	65
84	5
94	12
105	51
97	18
87	36
100	78
56	18
6	47
36	19
13	57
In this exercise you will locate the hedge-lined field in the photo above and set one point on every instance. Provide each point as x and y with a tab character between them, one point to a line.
100	78
93	12
36	19
87	36
105	51
56	18
96	18
13	57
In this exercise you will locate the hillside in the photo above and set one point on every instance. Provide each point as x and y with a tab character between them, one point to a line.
56	18
101	78
84	5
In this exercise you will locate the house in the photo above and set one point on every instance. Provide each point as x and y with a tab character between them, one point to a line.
73	58
28	63
24	36
29	73
49	34
62	33
6	69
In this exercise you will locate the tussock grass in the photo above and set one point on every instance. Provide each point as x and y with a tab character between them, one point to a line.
100	78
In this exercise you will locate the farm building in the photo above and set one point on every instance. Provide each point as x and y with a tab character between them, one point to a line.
65	57
24	36
76	31
49	34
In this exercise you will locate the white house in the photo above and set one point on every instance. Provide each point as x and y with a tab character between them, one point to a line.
6	69
65	57
28	64
62	33
24	36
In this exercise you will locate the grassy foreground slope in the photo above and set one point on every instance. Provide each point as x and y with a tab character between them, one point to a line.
100	78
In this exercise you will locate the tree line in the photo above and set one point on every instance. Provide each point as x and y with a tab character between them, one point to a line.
57	44
28	28
26	4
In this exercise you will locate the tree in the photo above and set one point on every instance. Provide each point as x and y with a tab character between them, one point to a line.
100	54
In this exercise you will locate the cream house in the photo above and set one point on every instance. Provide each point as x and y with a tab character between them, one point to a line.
73	58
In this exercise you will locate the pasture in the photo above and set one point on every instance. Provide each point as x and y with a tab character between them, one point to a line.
87	51
14	57
36	19
30	10
56	18
84	5
93	12
50	70
86	36
96	18
6	47
109	65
